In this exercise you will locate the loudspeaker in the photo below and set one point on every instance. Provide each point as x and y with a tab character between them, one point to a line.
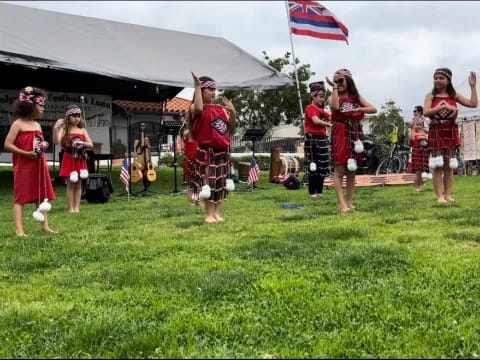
98	188
292	183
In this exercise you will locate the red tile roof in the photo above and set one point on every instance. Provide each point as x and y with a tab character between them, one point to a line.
176	105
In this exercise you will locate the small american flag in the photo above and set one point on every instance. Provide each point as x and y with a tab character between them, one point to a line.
124	174
310	18
254	173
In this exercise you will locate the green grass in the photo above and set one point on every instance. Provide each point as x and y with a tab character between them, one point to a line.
148	278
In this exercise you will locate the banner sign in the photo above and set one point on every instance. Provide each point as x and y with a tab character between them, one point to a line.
97	108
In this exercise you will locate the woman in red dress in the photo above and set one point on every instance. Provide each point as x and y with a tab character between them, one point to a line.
443	138
73	137
348	108
212	124
32	183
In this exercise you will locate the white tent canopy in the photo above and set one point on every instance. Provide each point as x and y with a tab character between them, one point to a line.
40	38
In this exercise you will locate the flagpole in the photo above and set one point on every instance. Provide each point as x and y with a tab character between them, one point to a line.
294	60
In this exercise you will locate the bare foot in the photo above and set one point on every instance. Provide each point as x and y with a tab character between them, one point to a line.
210	219
50	230
418	189
21	234
219	218
441	200
451	199
351	207
344	209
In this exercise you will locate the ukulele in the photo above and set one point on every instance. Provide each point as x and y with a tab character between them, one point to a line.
150	171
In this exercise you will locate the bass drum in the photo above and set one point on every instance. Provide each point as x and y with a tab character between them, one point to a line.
289	166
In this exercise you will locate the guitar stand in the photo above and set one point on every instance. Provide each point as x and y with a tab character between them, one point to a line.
145	191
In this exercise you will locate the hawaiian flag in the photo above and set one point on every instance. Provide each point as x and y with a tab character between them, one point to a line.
124	174
309	18
254	173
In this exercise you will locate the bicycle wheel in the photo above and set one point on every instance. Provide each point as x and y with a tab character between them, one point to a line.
382	167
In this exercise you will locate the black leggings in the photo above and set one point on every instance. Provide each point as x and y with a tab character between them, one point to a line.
315	183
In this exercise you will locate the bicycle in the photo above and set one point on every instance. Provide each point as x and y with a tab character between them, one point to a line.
397	159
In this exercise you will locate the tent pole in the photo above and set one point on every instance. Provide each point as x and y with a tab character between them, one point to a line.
294	62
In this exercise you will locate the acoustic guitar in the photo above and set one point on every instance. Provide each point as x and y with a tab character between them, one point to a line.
139	161
136	172
150	171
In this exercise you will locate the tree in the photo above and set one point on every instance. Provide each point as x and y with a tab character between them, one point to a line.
383	124
268	108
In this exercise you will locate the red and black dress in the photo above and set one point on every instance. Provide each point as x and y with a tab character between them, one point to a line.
212	163
420	153
316	140
72	159
346	129
443	137
190	148
31	177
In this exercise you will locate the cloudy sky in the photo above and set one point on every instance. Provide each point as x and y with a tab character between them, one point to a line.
394	46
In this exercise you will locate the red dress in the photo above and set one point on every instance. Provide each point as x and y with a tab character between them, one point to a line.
419	153
72	162
31	177
443	137
346	129
190	148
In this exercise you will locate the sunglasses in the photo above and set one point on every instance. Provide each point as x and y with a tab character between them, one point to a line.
339	81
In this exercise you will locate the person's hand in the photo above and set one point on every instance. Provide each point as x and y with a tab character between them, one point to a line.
31	155
44	145
472	79
228	104
196	80
59	124
78	143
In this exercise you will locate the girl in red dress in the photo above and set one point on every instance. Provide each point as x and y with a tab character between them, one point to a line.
348	108
443	138
212	124
419	145
190	147
32	183
74	139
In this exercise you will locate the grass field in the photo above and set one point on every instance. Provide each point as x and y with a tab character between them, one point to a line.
148	278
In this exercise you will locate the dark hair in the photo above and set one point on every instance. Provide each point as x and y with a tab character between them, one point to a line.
27	109
352	88
205	78
450	90
419	108
66	137
315	87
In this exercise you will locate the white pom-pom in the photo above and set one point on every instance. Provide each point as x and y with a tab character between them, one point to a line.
424	175
45	206
205	193
195	196
430	176
73	176
439	161
432	163
313	167
83	173
358	146
453	163
351	164
230	186
37	215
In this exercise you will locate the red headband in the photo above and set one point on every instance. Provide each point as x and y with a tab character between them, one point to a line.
31	98
208	84
444	73
344	72
72	111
